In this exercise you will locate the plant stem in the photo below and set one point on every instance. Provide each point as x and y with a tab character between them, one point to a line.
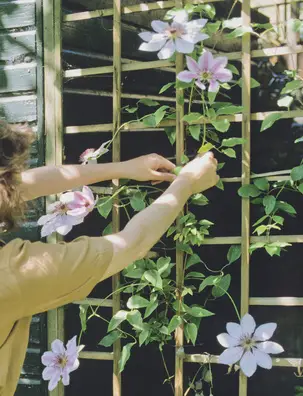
167	372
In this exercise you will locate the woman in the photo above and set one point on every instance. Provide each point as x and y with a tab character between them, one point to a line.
36	277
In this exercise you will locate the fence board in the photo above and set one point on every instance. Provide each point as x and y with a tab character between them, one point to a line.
16	14
16	45
18	109
18	78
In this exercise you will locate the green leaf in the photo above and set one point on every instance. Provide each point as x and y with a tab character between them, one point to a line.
195	274
175	322
171	134
221	125
269	203
134	318
110	338
260	220
261	229
205	148
212	28
143	336
239	32
232	23
135	302
255	246
286	101
209	281
192	117
229	152
253	83
166	87
291	86
149	102
262	184
137	201
153	277
125	355
150	308
299	140
135	273
300	188
231	142
199	199
116	320
195	130
108	230
286	207
249	190
270	120
274	248
162	264
278	219
104	206
184	248
160	113
130	110
222	286
220	185
234	253
212	96
82	314
193	259
297	173
191	332
198	312
230	110
233	69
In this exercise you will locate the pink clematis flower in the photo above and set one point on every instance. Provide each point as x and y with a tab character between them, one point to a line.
69	211
207	70
180	36
60	362
249	345
91	155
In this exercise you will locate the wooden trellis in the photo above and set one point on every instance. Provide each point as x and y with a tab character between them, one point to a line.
54	76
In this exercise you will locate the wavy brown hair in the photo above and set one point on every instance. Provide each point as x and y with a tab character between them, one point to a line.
15	141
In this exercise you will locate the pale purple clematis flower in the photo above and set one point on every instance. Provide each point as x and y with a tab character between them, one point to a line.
207	70
69	211
60	362
180	36
249	345
91	155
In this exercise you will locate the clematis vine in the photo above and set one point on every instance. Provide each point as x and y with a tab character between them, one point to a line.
60	362
208	70
249	345
181	36
91	155
69	211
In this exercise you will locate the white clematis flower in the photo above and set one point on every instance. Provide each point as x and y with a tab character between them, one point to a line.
249	345
180	36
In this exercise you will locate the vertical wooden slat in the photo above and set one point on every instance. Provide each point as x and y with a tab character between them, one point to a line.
116	157
245	226
53	129
179	335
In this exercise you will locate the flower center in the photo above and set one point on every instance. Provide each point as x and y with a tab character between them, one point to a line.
247	343
62	361
206	75
174	32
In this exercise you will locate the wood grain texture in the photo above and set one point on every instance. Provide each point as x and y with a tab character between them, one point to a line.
18	78
16	45
16	14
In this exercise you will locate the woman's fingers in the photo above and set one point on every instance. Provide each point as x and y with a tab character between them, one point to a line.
165	164
163	176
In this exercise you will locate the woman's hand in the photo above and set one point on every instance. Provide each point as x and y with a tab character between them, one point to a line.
149	167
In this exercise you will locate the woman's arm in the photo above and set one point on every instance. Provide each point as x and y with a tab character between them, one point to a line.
50	180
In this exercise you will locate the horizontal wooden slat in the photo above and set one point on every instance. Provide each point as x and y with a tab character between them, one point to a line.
277	362
16	78
95	302
32	362
15	14
18	108
15	45
96	355
236	240
135	126
143	7
277	301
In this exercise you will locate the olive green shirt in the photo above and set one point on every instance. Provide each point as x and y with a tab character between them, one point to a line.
37	277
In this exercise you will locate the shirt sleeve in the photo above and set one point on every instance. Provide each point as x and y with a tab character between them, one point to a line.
46	276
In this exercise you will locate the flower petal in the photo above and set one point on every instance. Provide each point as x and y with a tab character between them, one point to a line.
78	212
65	378
270	347
48	358
153	45
87	192
231	355
196	24
192	65
58	347
265	331
234	330
54	380
46	218
223	75
205	61
227	341
248	364
181	17
49	372
200	84
219	63
195	37
213	86
186	76
71	346
185	47
167	51
263	360
146	36
159	26
248	324
64	229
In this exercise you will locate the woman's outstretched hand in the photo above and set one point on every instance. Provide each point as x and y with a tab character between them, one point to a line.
151	167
